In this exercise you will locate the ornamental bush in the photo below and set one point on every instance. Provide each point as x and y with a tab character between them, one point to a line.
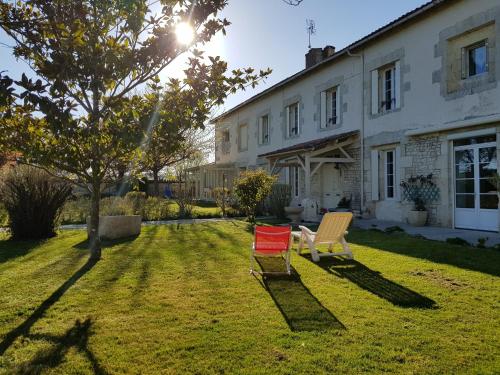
280	197
33	200
251	188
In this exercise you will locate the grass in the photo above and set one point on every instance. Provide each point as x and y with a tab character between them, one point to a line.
179	299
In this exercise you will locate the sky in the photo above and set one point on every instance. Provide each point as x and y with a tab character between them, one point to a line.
271	34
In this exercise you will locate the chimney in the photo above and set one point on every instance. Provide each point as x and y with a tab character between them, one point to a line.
313	57
328	51
316	55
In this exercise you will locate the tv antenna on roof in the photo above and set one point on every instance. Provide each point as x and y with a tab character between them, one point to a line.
311	29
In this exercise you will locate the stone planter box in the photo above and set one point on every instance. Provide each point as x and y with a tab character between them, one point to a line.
417	218
114	227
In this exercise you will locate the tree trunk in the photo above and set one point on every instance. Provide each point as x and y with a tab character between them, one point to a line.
156	183
94	240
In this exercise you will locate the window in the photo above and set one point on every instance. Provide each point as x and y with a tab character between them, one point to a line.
292	179
225	136
225	146
329	108
385	88
475	59
389	174
292	114
264	129
242	137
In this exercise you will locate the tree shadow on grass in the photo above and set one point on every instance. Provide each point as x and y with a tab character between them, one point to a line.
76	337
301	310
10	249
465	257
373	282
84	245
24	328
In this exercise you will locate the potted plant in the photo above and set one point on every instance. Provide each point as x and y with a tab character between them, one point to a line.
419	190
344	205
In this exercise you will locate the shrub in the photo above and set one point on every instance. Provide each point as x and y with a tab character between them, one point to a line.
34	200
222	198
280	197
457	241
156	208
251	188
185	200
4	216
137	201
115	206
76	211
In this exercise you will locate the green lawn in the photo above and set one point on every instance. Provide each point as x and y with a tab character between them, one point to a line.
179	299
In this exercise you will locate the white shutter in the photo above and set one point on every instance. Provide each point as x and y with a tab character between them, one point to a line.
337	99
397	84
374	92
287	121
259	131
323	105
297	125
397	172
374	168
464	63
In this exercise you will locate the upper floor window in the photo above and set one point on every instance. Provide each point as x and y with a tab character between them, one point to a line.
225	146
264	129
385	88
292	120
475	59
243	137
330	108
225	135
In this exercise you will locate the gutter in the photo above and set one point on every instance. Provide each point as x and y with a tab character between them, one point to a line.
345	51
477	121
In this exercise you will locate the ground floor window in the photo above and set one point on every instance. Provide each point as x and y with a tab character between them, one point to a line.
389	176
293	180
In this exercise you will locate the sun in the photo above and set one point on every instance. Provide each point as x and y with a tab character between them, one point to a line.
184	33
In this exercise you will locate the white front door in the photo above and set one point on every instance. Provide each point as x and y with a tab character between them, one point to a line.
476	199
330	186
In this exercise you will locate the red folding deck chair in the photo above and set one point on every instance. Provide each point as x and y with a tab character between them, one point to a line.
272	241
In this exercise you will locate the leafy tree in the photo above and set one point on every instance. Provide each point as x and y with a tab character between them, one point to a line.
251	188
79	119
176	118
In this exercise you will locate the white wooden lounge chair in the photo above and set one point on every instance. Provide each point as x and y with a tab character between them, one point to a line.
331	231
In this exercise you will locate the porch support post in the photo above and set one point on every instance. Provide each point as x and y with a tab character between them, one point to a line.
307	170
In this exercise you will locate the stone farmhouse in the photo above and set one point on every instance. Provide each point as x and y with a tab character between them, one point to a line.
417	96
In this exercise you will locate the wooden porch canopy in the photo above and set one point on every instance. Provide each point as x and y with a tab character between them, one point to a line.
313	154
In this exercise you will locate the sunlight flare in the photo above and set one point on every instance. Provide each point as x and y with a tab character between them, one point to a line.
184	32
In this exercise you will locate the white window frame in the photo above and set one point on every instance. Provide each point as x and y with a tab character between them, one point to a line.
296	120
387	87
330	108
224	133
466	61
263	138
293	179
240	146
380	88
386	175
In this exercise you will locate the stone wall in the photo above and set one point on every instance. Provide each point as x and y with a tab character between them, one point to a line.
351	177
422	156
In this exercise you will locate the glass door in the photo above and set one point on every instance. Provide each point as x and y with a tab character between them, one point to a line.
476	199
